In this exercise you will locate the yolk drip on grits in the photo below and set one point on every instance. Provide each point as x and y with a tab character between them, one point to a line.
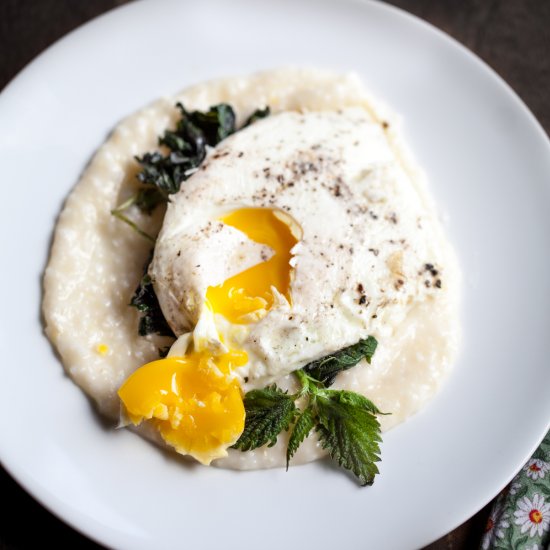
194	400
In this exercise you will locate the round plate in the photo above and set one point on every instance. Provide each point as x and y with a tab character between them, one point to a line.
488	162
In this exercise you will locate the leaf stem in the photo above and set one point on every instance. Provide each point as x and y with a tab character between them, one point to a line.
303	378
117	213
126	204
310	386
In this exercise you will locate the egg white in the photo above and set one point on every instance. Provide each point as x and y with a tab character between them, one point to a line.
359	267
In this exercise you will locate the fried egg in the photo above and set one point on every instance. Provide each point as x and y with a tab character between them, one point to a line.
321	198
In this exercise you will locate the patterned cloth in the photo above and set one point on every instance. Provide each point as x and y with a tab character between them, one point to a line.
520	518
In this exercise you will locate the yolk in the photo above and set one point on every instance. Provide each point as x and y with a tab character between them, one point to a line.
251	290
193	402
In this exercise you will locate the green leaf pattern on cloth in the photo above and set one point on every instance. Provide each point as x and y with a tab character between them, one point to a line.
520	518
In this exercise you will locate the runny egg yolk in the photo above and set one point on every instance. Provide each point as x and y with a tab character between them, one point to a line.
251	290
194	401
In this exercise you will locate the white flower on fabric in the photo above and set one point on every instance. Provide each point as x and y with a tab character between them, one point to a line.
496	524
534	547
514	486
533	515
536	468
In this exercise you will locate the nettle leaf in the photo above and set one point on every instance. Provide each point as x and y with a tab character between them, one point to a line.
146	302
162	173
349	430
268	413
257	115
326	369
176	142
148	199
187	149
345	421
301	429
216	124
356	400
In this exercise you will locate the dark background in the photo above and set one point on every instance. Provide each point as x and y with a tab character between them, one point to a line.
512	36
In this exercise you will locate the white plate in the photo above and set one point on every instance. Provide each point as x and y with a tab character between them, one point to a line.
489	166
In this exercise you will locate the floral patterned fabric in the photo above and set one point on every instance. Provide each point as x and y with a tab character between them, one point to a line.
520	518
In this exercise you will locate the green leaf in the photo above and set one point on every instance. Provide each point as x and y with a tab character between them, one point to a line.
300	431
187	149
148	199
354	399
349	430
257	115
163	174
268	413
146	302
325	369
216	124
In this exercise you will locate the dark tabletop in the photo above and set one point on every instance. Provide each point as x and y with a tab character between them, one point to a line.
512	36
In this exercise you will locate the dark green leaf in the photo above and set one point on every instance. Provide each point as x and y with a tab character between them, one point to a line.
257	115
325	369
148	198
175	142
187	149
161	172
355	400
193	136
216	124
350	431
165	173
300	431
145	301
268	413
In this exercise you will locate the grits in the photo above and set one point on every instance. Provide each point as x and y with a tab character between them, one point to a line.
96	262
